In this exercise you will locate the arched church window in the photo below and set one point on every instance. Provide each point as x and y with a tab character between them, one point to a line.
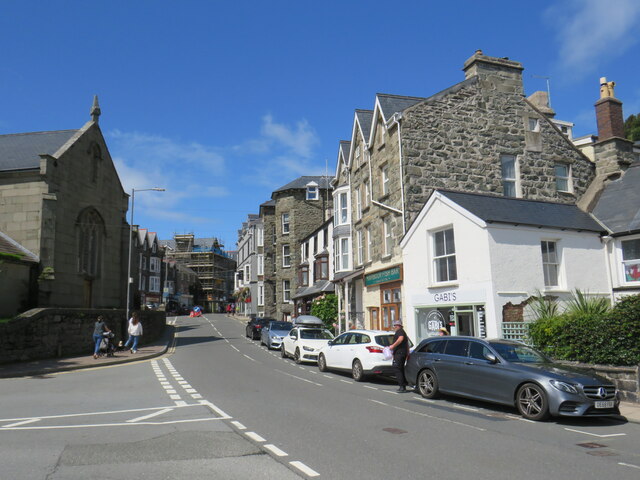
90	231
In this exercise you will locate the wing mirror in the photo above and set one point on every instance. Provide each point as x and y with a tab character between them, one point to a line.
491	357
330	342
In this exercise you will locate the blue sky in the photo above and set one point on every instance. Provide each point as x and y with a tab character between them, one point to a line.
223	102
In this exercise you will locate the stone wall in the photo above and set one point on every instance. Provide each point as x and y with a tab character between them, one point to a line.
54	332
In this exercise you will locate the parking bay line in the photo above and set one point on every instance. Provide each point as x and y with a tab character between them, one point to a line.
151	415
595	434
304	469
24	422
299	378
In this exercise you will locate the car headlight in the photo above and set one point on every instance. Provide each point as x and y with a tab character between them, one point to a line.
275	337
563	386
309	349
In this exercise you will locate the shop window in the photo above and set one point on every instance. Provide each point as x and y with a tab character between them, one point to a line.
390	301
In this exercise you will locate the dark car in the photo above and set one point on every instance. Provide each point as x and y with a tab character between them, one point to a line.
255	326
508	373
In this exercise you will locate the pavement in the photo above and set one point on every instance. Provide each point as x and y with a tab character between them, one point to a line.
630	411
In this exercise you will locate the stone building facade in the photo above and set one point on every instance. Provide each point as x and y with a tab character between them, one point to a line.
61	199
300	207
249	279
480	135
268	217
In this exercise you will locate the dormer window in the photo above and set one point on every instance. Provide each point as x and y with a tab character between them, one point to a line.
312	191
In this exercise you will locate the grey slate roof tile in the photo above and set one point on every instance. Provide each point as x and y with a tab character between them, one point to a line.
619	204
516	211
391	104
301	182
20	151
365	119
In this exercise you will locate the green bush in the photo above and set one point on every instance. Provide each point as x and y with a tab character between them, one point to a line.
325	308
592	335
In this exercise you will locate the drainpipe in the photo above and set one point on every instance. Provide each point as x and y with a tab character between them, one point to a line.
607	256
397	117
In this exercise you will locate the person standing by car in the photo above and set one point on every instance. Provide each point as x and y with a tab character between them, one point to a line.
400	349
135	331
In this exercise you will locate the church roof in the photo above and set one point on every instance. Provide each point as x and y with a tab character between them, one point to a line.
20	151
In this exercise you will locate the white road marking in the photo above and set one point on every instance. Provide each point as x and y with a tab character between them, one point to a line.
234	347
181	403
175	397
389	391
464	407
238	425
299	378
620	463
379	402
327	376
254	436
275	450
24	422
196	396
595	434
304	469
190	390
370	387
248	357
151	415
215	409
345	381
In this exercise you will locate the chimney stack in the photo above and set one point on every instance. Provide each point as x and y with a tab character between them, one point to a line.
609	112
500	74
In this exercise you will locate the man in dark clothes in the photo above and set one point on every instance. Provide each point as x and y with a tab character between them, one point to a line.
400	348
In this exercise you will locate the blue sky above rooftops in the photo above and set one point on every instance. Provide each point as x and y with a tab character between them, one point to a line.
223	102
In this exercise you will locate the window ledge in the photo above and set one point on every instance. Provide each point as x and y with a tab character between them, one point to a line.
386	257
444	285
555	290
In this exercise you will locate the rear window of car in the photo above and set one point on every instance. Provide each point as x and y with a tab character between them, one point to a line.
281	326
315	334
457	348
436	346
384	340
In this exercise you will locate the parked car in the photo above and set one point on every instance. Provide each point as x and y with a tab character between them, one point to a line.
509	373
305	339
273	332
358	351
255	326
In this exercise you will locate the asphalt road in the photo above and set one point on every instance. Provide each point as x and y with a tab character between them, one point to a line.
221	406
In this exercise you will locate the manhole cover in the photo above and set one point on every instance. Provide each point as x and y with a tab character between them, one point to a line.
396	431
591	445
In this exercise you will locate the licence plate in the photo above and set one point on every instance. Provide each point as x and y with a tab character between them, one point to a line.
607	404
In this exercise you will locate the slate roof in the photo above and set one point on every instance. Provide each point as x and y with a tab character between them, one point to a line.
391	104
345	147
20	151
619	204
10	246
516	211
321	286
301	183
365	119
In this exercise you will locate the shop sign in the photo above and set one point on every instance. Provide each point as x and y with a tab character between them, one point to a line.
383	276
444	297
435	321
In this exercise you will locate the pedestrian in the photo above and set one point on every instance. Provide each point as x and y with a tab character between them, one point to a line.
400	349
233	309
135	332
98	330
443	332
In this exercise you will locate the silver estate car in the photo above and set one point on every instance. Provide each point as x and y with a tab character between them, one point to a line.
508	373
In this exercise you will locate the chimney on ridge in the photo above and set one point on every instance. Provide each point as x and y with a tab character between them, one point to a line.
609	112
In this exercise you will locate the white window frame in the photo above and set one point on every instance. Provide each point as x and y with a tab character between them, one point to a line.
336	255
628	262
260	237
358	204
260	264
312	192
285	223
286	291
560	178
510	180
286	255
388	236
344	253
154	284
366	194
247	273
357	156
534	124
384	177
369	239
154	265
260	294
360	259
550	264
445	256
344	208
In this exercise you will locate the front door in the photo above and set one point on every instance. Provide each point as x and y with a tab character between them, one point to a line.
465	323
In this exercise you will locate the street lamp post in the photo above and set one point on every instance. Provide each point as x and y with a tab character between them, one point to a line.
129	279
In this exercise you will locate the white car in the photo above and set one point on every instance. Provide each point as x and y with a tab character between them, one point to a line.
304	341
358	351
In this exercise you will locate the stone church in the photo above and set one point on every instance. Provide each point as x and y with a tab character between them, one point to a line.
61	200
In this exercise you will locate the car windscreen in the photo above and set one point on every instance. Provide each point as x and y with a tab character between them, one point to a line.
315	334
518	353
286	326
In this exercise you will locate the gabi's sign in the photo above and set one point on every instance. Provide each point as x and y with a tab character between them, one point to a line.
383	276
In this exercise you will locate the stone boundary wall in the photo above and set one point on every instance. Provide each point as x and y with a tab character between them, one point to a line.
58	332
627	379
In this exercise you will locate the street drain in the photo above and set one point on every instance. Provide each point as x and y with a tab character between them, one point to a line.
395	431
591	445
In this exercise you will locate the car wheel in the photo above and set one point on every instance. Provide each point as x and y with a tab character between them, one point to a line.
283	354
322	363
428	384
532	402
296	356
356	371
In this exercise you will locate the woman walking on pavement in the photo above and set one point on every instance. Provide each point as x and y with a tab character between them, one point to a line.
98	329
135	331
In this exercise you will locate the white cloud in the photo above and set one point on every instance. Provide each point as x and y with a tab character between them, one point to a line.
299	140
592	31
